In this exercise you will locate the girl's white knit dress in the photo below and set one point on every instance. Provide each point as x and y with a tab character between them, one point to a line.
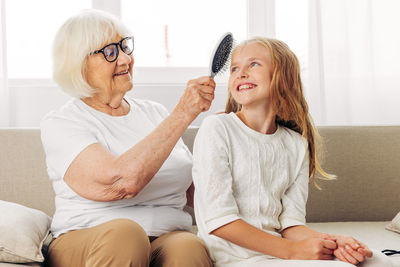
240	173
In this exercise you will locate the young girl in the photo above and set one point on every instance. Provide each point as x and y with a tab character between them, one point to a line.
251	169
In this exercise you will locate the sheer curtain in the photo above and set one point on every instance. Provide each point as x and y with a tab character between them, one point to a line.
354	62
4	93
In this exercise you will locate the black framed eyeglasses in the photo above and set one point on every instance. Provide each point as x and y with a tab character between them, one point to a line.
111	51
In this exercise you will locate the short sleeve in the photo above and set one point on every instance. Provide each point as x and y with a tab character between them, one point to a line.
212	176
63	139
295	198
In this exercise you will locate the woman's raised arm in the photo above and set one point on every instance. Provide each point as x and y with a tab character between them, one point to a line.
111	178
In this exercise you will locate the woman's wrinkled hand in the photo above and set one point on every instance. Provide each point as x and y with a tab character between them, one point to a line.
198	95
350	250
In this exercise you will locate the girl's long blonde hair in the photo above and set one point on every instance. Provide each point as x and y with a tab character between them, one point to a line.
287	99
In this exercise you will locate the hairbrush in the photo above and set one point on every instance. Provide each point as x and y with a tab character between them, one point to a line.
221	54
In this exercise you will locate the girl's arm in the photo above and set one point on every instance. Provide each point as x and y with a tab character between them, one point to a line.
300	232
245	235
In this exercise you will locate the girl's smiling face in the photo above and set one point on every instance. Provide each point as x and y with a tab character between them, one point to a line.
251	71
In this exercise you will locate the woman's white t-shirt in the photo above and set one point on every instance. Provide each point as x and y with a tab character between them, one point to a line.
158	208
240	173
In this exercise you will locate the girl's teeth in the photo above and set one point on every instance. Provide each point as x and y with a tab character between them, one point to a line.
246	86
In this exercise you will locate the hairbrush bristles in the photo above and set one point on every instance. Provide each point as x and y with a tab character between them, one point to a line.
221	57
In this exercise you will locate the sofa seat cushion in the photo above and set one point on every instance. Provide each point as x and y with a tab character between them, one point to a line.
372	234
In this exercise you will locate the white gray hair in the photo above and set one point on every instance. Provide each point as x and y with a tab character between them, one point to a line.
80	35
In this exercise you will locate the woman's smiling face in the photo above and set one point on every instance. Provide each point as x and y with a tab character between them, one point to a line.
110	78
251	71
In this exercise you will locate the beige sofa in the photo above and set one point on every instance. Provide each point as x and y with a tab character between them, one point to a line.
361	202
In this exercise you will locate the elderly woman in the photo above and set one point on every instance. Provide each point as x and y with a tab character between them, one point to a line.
119	169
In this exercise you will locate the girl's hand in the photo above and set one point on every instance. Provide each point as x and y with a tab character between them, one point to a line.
349	249
313	249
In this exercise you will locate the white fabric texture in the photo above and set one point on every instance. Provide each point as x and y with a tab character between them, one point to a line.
242	174
394	225
158	208
22	233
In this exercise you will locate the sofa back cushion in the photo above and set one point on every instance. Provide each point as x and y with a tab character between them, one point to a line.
23	175
365	159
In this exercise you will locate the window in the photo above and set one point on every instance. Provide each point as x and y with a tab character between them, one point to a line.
31	27
292	27
189	29
186	30
181	33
